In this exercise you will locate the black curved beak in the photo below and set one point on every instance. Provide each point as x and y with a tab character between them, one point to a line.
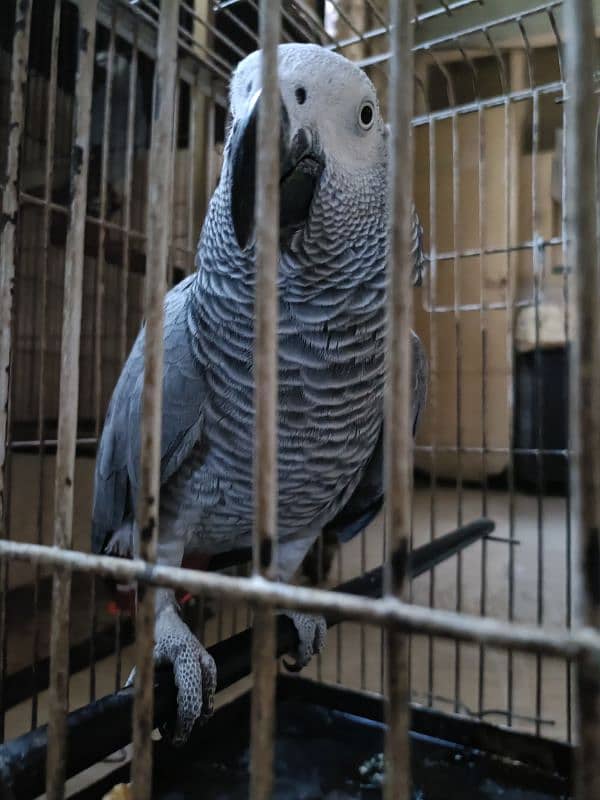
300	171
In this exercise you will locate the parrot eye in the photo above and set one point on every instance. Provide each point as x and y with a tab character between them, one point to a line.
366	115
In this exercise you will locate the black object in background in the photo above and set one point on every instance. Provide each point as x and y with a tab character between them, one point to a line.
541	420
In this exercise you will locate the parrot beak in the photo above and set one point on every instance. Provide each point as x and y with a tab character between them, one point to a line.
300	171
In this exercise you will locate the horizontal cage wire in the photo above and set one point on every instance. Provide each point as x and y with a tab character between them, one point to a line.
490	633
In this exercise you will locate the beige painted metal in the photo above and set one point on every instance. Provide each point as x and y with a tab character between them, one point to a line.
58	701
157	243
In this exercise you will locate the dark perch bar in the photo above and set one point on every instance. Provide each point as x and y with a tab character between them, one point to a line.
98	729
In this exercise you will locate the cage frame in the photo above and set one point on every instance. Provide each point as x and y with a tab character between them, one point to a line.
581	644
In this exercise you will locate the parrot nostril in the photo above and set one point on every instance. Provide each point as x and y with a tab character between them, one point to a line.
301	95
249	88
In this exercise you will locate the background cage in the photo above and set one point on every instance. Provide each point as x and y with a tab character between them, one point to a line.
498	315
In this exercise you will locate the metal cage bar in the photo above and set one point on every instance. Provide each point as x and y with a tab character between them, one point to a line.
157	252
398	440
99	302
386	612
48	182
583	645
8	229
581	155
264	535
68	404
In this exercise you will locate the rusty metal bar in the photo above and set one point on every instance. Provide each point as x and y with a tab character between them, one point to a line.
387	611
398	440
511	177
42	311
208	140
172	180
99	299
58	700
264	534
191	178
8	228
582	111
158	227
127	193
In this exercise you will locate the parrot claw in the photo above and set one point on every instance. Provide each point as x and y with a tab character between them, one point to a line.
131	679
194	672
312	633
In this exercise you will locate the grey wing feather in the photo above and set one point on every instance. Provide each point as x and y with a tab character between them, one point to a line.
117	461
417	251
367	499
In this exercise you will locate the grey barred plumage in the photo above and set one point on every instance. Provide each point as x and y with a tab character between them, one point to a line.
331	347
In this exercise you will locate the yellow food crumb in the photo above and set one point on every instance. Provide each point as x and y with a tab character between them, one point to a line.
122	791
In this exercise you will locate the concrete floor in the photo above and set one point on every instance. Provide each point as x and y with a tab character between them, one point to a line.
442	673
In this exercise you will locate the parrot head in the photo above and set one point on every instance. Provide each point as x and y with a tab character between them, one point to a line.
332	139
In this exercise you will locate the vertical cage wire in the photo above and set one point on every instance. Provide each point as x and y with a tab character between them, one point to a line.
8	228
195	101
398	444
99	294
157	253
42	311
567	323
582	111
457	245
453	57
510	156
171	250
58	700
432	389
266	314
483	324
125	266
537	268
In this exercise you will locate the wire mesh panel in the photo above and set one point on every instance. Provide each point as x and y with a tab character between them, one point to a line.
85	150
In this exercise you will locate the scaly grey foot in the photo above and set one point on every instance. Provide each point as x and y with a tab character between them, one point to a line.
194	671
312	633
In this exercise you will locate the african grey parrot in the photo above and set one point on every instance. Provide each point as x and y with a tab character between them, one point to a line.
333	247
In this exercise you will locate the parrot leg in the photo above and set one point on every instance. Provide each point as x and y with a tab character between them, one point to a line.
121	542
311	629
312	634
194	669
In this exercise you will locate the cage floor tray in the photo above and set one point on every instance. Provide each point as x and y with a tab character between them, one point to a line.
327	748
